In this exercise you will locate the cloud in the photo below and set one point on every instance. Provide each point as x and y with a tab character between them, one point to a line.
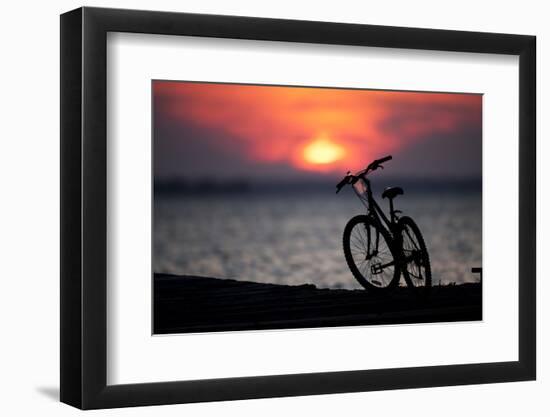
273	125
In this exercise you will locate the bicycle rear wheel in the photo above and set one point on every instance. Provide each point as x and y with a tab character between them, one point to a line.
416	266
369	254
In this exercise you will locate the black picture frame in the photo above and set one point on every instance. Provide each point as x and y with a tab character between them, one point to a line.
84	207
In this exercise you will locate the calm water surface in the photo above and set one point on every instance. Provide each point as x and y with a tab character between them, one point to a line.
297	238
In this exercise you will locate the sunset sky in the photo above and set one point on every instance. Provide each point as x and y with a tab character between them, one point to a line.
232	131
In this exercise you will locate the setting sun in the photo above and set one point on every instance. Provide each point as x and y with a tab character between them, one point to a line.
301	131
322	151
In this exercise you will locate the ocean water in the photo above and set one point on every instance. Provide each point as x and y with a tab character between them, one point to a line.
296	238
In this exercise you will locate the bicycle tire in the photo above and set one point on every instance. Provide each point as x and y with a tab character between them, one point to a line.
417	279
352	253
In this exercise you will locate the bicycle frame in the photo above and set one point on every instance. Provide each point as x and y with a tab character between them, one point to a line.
377	215
375	212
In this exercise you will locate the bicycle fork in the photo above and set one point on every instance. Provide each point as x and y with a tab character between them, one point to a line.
374	253
376	268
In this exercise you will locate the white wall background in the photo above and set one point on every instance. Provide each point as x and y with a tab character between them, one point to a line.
29	236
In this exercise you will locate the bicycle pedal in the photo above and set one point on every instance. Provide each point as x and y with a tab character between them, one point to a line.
376	269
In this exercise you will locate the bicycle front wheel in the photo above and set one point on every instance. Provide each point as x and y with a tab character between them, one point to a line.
417	270
369	254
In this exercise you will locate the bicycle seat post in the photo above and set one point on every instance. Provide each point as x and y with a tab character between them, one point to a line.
390	193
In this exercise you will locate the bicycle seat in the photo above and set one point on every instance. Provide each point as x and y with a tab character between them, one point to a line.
392	192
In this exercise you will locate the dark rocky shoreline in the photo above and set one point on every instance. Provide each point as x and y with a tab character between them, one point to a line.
188	304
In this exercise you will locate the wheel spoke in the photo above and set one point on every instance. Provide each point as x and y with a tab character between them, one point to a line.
367	258
412	250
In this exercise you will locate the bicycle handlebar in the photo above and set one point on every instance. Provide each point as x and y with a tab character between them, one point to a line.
384	159
342	183
374	165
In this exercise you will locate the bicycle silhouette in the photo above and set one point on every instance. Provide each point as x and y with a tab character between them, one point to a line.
378	249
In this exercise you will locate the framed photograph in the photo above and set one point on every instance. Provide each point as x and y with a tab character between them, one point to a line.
257	208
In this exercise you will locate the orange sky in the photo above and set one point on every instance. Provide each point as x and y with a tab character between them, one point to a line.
312	129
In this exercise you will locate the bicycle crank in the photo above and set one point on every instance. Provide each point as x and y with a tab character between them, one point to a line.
378	268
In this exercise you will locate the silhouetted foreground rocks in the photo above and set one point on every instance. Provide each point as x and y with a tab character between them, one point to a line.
184	304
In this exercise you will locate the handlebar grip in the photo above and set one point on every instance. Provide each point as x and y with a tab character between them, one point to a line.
341	184
377	163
